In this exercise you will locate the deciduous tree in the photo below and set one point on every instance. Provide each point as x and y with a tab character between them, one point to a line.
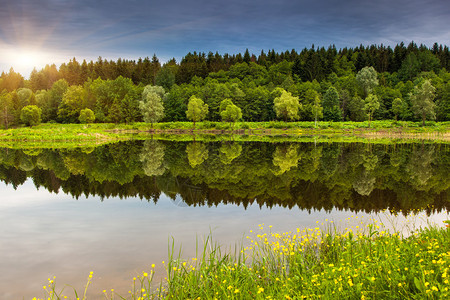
197	109
367	79
30	115
371	105
151	105
232	113
317	110
422	101
71	105
86	116
397	107
286	106
6	109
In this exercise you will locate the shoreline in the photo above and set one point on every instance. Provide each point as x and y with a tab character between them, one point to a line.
61	135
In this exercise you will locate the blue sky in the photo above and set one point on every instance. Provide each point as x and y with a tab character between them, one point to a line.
33	33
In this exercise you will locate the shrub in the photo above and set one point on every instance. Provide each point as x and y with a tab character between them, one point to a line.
31	115
86	116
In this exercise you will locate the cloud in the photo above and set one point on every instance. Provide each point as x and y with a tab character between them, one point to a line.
174	27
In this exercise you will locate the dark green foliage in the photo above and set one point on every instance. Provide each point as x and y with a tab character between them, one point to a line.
165	78
112	89
72	104
443	103
330	103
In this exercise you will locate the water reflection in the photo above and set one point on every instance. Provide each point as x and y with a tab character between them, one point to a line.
359	177
145	192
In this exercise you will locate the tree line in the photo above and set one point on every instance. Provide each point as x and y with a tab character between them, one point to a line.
363	83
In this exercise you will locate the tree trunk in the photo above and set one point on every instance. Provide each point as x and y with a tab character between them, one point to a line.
6	117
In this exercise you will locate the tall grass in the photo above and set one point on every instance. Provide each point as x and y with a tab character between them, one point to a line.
366	261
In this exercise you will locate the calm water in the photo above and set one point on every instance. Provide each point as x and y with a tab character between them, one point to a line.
112	209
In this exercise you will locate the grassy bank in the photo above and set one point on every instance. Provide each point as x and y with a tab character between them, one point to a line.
366	261
54	134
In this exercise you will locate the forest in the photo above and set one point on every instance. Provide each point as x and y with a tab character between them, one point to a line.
353	84
354	176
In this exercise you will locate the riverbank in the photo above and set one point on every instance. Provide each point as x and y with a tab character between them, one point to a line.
365	261
53	134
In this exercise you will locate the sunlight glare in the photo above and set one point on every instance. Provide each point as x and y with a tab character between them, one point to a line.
24	60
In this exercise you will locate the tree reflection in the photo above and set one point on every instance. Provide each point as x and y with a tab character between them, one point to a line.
419	165
152	158
365	181
285	157
229	152
305	175
197	153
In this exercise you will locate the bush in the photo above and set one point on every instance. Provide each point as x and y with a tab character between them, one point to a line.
86	116
31	115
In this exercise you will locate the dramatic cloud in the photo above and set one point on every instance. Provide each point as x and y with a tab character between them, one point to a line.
171	28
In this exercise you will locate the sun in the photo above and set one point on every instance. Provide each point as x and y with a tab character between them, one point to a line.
24	60
28	59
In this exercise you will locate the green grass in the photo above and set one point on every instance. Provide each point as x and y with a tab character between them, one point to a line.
59	135
366	261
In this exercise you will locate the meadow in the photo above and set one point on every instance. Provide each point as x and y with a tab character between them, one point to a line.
364	261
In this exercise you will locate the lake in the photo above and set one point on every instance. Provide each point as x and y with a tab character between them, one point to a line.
114	209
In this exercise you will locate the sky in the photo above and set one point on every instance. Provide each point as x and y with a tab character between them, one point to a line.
38	32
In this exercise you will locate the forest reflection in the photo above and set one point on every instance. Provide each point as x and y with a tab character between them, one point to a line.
353	176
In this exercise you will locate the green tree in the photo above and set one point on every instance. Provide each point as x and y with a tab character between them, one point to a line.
331	109
86	116
371	105
367	79
154	89
397	107
151	105
422	101
197	109
224	104
165	78
286	106
31	115
317	110
410	67
115	100
6	109
443	103
26	96
71	105
175	105
56	93
231	114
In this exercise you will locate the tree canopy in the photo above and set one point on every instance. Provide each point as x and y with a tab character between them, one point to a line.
341	78
197	109
286	106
